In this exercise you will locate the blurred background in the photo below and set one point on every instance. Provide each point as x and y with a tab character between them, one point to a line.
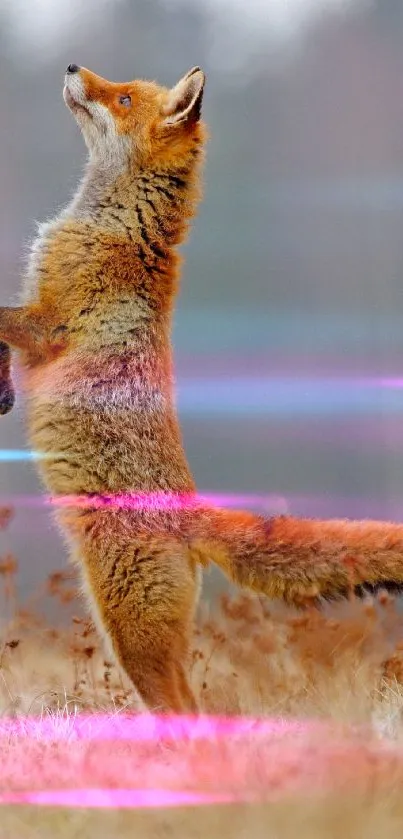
289	328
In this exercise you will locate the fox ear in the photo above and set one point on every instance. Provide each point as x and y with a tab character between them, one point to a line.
184	100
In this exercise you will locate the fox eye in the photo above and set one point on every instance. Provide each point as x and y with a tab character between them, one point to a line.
125	100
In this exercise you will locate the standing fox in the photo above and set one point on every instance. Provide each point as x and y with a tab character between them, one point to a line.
93	336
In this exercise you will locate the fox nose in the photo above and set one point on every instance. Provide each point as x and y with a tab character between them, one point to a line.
72	68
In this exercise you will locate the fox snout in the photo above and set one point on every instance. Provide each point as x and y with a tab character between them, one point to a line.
74	90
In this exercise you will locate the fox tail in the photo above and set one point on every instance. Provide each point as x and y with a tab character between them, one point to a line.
301	560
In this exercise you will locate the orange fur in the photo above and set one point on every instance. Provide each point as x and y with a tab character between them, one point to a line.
93	337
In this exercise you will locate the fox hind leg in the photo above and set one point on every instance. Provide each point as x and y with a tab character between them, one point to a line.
159	679
143	601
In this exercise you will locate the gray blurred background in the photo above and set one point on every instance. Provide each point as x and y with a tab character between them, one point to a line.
289	328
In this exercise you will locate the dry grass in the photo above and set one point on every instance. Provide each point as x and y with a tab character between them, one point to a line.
339	672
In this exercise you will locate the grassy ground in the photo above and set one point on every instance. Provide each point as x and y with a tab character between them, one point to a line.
339	771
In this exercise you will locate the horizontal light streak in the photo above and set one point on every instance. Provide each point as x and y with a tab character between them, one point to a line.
269	504
289	396
134	799
134	729
275	396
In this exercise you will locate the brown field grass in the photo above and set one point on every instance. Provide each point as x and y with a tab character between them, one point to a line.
338	672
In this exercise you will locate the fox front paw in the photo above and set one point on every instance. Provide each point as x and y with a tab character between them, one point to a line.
7	397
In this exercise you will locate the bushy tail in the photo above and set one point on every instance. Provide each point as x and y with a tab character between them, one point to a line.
302	560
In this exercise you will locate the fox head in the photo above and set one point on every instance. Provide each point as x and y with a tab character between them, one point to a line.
136	122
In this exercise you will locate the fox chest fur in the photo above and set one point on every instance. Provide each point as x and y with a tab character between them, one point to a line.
99	385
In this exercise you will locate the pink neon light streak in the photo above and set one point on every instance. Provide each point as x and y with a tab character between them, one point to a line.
144	761
142	728
115	798
161	500
99	733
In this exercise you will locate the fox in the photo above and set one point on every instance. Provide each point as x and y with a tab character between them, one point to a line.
93	340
